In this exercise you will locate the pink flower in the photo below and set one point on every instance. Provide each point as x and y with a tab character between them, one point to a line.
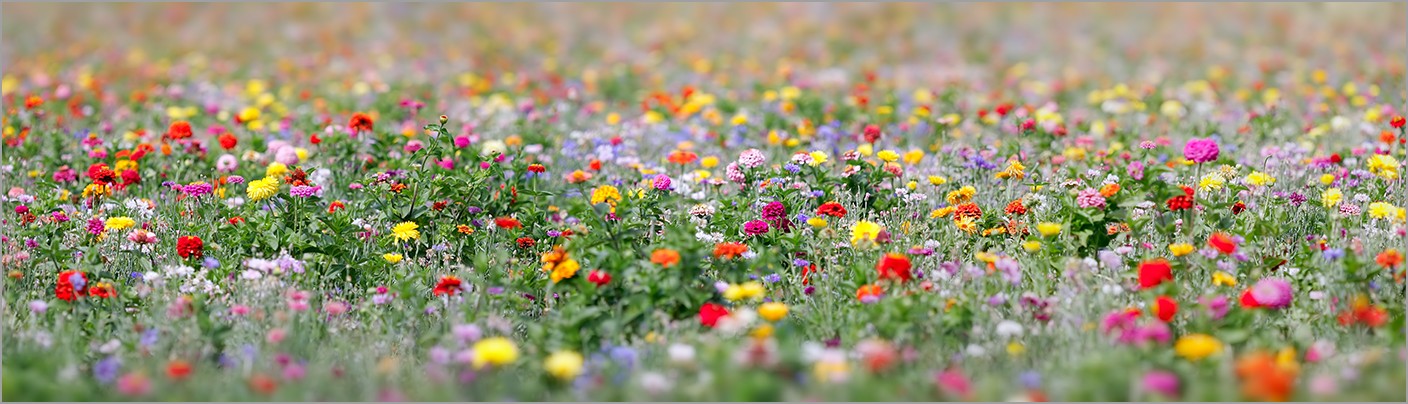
1090	198
752	158
134	384
1201	150
1162	383
412	146
287	155
1273	293
755	227
276	336
661	182
461	141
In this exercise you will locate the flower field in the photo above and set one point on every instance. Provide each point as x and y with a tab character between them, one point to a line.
755	202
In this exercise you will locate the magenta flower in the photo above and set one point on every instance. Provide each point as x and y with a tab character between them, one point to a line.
755	227
1201	150
1162	383
1273	293
661	182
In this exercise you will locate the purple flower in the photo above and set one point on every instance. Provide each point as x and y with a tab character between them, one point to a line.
106	370
772	278
305	191
1201	150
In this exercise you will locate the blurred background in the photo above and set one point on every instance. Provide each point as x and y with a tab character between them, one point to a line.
907	43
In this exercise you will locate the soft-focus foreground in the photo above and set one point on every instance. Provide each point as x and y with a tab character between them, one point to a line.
725	202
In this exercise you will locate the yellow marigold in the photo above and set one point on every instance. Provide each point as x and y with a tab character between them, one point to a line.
1014	170
606	193
262	189
120	223
1197	346
1180	249
405	231
817	222
497	351
864	230
1220	278
937	180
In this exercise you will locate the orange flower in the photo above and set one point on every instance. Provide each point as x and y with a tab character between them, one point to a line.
1389	258
729	250
665	257
894	266
1222	243
1109	190
507	223
361	122
262	384
869	291
178	369
682	157
1263	379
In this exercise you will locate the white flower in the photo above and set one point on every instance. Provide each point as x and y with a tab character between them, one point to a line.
975	350
1009	329
681	354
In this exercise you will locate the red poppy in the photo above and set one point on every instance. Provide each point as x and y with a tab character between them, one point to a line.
314	139
236	220
1153	273
833	209
189	246
1165	308
71	285
507	223
448	285
361	122
709	314
179	130
178	369
807	272
894	266
599	277
595	165
1222	242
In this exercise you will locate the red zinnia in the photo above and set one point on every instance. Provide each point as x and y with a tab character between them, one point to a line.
1016	208
189	246
525	242
1238	208
968	210
71	285
833	209
1165	308
228	141
179	130
100	173
1153	273
709	314
1222	243
360	122
507	223
448	285
894	266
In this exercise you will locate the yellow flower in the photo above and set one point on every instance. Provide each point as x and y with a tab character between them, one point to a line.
1220	278
392	257
275	169
865	149
1211	181
1048	229
607	194
497	351
709	162
888	156
911	185
565	269
1180	249
564	365
864	230
1377	210
1015	348
405	231
1031	245
1327	179
1384	166
262	189
772	311
1197	346
819	157
937	180
120	223
1258	178
961	195
1014	170
1331	197
817	222
966	224
913	157
249	114
96	189
753	290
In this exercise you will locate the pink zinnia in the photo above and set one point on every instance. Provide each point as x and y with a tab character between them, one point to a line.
1090	198
1201	150
1273	293
1161	382
755	227
661	182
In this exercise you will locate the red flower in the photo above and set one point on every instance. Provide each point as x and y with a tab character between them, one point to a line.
1153	273
335	206
525	242
710	313
102	290
833	209
189	246
894	266
968	210
1396	122
71	285
1016	208
1180	202
507	223
1238	208
1389	258
599	277
537	168
236	220
361	122
314	139
100	173
807	272
228	141
1248	301
1165	308
179	130
1222	242
178	369
872	133
595	165
448	285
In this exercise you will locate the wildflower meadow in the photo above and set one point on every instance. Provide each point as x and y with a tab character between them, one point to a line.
729	202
